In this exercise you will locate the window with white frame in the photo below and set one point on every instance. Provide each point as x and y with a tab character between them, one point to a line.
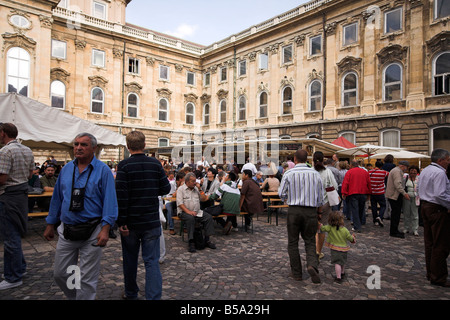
263	98
315	96
393	20
99	10
18	71
315	45
287	54
242	68
223	111
223	74
163	110
207	79
287	101
134	66
190	111
163	142
440	138
350	90
97	100
132	105
59	49
58	94
263	61
390	138
20	21
206	112
350	34
441	74
164	73
441	9
349	135
98	58
242	110
190	78
392	82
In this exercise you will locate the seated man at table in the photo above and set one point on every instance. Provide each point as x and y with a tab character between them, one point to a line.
188	209
251	198
48	181
230	196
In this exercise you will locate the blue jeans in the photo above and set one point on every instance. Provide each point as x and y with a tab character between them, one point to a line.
149	239
170	209
14	261
356	204
376	199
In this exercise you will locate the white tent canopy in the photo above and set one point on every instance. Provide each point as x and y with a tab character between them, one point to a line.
403	154
46	128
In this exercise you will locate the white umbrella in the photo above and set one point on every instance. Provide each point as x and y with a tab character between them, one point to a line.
403	154
368	149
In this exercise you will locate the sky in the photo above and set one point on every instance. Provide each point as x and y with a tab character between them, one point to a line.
204	21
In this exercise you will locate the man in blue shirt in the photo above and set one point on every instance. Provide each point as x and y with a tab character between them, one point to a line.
84	195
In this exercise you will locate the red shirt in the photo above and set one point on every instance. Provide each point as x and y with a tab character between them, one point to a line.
356	181
377	177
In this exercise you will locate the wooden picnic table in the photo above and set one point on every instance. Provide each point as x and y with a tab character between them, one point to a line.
42	195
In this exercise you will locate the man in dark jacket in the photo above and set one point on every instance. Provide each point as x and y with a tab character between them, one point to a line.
139	182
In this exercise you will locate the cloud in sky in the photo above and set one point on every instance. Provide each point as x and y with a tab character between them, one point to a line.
183	31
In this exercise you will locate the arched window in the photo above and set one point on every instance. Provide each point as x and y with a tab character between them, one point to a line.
441	74
97	100
263	105
18	71
390	138
133	105
223	111
287	100
163	142
58	94
315	96
440	138
392	82
190	113
163	110
242	108
349	135
206	113
350	90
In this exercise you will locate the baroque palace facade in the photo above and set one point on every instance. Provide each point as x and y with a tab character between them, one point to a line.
373	71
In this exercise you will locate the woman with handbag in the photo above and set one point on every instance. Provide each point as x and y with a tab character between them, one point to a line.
330	195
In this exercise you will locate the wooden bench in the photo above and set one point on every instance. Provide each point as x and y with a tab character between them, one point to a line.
37	214
275	207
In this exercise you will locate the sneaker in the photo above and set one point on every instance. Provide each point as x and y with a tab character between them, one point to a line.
416	233
380	222
9	285
314	274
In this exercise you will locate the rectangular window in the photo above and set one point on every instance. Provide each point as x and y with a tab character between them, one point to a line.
442	84
190	78
133	65
263	61
350	34
59	49
393	20
98	58
441	8
242	68
316	45
163	73
223	74
287	54
99	10
207	79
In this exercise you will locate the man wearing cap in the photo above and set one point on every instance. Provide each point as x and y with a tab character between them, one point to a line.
48	181
395	192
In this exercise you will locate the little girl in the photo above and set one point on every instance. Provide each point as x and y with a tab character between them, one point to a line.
338	235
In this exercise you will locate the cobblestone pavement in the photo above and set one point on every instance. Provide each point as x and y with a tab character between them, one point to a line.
247	266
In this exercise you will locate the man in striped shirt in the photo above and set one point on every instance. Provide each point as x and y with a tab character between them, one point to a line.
139	182
302	187
377	183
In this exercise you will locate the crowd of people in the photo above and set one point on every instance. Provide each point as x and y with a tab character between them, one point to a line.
89	201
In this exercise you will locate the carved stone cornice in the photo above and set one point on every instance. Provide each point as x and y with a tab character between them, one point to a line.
392	53
178	67
17	40
164	93
349	63
98	81
205	98
117	53
330	28
150	60
222	94
80	44
300	39
133	87
59	74
440	42
415	3
46	22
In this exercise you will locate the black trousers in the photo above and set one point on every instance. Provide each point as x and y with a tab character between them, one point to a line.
396	211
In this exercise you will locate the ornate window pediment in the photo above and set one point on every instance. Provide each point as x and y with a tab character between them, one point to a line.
98	81
164	93
392	53
222	94
59	74
440	42
348	64
190	97
133	87
17	40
